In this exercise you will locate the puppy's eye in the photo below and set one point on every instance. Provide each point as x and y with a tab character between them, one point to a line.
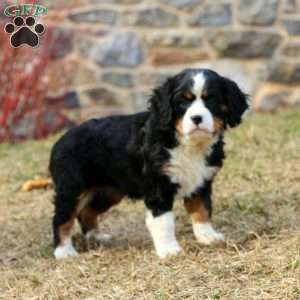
188	96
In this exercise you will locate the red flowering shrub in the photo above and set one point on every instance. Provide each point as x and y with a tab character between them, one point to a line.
24	109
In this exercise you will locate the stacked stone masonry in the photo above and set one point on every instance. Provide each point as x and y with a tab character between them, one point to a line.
116	51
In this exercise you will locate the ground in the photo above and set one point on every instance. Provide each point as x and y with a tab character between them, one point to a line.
256	206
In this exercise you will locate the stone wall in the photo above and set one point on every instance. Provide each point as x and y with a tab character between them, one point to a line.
113	52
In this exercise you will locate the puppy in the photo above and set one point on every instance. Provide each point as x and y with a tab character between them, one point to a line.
173	150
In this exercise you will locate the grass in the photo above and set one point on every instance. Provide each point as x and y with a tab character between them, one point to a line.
257	206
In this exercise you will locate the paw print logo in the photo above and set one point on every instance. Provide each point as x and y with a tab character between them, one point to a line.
24	32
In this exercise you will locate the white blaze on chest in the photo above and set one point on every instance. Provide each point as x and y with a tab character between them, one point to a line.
187	167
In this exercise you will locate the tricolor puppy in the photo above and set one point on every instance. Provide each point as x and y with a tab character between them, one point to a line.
172	151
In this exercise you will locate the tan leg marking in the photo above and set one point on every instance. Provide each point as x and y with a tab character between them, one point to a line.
83	200
203	230
88	218
65	231
197	210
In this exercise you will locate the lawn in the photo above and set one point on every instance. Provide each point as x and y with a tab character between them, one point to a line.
257	207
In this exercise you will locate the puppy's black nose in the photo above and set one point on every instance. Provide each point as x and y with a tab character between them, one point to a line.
197	119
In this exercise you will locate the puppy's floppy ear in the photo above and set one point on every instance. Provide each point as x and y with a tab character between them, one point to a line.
236	102
160	104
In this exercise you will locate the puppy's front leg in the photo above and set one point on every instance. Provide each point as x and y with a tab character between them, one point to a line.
199	207
162	230
160	222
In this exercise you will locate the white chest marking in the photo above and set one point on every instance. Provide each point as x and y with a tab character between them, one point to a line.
187	167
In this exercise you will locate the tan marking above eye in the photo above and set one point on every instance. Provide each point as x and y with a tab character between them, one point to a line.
189	96
204	94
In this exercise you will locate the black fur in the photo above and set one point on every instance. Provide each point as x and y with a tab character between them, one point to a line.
236	102
127	153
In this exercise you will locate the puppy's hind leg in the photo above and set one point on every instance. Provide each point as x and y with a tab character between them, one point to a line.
67	204
88	220
100	201
63	223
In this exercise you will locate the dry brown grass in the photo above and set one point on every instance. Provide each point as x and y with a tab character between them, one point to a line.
257	206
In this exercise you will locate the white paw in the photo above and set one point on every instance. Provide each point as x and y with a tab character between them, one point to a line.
98	236
169	250
162	229
205	234
65	251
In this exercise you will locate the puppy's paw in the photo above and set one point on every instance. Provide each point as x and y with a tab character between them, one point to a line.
168	250
208	239
206	235
98	236
65	251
